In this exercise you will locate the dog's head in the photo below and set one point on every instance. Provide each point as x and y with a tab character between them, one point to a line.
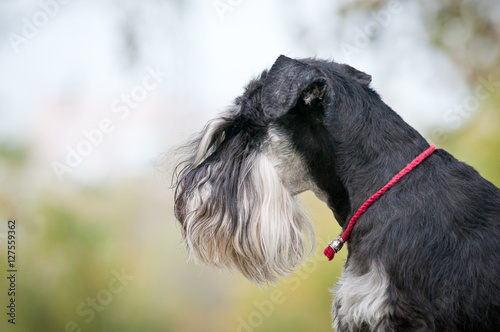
235	193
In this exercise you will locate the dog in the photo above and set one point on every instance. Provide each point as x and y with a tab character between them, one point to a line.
424	257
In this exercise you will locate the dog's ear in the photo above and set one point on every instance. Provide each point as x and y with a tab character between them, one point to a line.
358	75
286	82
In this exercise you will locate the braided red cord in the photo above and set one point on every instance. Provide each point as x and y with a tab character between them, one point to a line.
329	252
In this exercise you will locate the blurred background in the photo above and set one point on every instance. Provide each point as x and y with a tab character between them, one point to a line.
94	96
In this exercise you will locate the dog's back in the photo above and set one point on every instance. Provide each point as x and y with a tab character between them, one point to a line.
443	255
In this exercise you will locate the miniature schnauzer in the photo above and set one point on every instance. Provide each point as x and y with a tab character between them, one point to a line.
424	257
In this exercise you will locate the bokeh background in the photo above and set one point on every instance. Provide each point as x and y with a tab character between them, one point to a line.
94	96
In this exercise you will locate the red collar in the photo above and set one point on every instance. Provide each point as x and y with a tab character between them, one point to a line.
335	245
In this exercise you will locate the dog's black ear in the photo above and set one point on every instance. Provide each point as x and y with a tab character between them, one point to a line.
358	75
286	82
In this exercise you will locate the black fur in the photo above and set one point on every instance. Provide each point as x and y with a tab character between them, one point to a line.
436	233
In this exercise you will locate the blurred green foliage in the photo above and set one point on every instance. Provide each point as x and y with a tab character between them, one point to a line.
73	241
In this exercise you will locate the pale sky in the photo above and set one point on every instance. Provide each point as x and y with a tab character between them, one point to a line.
70	73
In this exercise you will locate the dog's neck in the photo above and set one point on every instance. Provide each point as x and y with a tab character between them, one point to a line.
353	151
374	162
